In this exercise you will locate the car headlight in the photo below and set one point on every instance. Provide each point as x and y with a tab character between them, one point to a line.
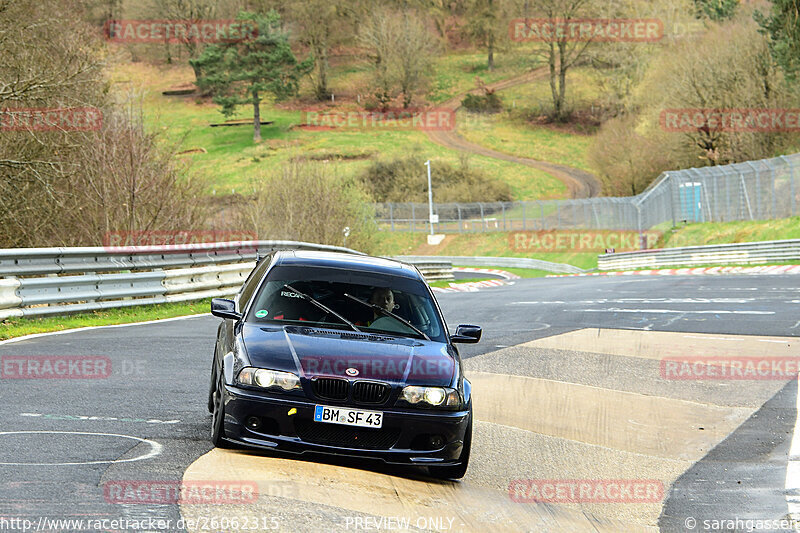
435	396
267	379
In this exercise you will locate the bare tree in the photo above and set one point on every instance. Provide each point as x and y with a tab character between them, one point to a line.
560	52
308	202
486	25
413	55
319	27
727	68
401	51
126	179
188	11
65	186
66	72
378	37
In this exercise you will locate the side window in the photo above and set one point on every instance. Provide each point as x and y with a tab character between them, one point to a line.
252	281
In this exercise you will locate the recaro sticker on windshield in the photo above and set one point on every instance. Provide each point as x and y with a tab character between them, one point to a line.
290	294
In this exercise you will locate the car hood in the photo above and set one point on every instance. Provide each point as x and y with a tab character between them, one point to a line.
314	352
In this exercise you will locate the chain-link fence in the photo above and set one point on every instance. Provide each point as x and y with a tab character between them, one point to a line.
754	190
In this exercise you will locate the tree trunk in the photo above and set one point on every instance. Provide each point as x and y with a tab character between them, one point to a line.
553	81
562	81
490	62
490	39
322	68
256	118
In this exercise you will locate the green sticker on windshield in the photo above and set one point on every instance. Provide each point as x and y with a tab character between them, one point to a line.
261	313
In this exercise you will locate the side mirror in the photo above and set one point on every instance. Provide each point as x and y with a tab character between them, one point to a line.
222	308
467	334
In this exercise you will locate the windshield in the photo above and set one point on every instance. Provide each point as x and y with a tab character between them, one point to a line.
281	299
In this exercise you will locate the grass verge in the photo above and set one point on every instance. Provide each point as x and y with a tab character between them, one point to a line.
18	327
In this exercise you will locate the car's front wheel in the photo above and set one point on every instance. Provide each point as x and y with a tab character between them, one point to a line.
457	471
218	415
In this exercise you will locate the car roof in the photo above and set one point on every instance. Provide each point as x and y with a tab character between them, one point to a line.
363	263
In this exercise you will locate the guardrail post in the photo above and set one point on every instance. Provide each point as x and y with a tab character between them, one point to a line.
413	217
503	207
483	220
391	215
460	224
524	204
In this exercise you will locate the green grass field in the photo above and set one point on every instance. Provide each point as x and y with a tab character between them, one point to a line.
230	158
731	232
499	243
511	132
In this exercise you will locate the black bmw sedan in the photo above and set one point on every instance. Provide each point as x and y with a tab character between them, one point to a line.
341	354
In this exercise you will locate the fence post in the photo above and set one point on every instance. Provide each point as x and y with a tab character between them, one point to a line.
758	192
542	209
413	217
460	224
772	186
483	220
524	204
672	194
791	190
503	206
391	215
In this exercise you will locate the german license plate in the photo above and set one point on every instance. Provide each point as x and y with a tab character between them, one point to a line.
348	417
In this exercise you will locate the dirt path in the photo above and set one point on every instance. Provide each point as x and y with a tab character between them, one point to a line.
581	184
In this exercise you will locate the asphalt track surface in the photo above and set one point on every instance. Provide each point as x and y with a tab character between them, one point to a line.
566	386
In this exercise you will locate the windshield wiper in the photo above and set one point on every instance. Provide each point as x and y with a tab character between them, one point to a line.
324	307
384	312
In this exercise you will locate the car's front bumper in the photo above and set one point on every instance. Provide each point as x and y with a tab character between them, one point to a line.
408	436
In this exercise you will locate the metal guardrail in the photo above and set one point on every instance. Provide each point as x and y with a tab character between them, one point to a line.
508	262
432	269
54	281
741	253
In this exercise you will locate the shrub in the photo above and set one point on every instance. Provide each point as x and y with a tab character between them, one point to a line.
306	201
405	180
483	103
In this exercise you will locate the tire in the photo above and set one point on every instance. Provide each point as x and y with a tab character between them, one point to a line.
457	471
212	386
218	416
